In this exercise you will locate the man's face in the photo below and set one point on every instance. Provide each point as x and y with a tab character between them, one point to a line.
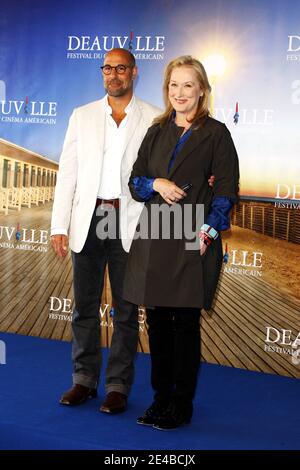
118	84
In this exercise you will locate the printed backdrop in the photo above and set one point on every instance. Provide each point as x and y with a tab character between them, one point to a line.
50	54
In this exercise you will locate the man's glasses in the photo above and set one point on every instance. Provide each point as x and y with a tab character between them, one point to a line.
120	69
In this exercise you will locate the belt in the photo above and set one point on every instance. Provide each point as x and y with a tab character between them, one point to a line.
108	202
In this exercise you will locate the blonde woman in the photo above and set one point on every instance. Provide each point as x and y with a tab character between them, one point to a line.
177	156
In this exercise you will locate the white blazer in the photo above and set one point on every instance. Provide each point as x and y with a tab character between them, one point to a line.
80	171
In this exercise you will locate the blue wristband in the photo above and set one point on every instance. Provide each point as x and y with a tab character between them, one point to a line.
210	231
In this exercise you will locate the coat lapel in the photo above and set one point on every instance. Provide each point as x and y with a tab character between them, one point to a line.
167	144
197	137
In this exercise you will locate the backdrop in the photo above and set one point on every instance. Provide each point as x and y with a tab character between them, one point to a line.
50	54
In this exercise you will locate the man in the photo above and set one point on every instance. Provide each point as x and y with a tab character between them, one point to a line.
100	147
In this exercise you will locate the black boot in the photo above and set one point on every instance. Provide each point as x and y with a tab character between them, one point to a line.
154	413
177	414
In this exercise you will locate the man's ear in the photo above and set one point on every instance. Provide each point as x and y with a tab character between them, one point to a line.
134	72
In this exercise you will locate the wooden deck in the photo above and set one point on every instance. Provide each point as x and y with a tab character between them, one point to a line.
233	332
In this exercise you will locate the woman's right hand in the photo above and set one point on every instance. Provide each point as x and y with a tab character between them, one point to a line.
168	190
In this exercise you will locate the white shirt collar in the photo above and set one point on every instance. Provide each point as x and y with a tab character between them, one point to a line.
128	109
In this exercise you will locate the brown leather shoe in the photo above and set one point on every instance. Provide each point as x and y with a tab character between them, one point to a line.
115	402
77	395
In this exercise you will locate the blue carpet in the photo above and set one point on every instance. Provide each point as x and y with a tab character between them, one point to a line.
234	409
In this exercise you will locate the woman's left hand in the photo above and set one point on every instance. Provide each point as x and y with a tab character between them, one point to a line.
203	247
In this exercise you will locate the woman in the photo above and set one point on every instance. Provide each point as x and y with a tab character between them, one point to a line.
177	156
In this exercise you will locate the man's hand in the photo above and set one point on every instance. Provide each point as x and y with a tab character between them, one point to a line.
60	244
168	190
211	180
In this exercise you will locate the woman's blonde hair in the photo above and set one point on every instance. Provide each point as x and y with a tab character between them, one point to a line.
202	110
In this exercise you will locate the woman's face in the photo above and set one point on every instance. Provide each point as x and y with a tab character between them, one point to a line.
184	90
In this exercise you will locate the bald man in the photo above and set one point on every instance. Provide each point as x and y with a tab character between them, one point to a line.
100	147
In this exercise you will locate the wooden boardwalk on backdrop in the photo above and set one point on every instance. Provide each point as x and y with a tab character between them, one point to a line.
233	332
